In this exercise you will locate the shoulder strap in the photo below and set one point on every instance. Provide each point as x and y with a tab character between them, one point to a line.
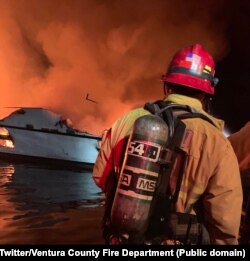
165	109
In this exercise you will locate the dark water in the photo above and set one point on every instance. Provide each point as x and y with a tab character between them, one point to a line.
41	205
45	205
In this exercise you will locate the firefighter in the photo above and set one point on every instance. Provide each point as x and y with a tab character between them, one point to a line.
211	184
240	141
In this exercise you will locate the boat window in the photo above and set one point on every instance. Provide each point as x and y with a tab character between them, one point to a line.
65	122
70	131
49	130
29	126
21	111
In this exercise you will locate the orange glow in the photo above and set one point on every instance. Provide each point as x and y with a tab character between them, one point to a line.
55	52
7	143
5	139
3	132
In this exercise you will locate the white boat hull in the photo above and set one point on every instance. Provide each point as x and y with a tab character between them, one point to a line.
77	148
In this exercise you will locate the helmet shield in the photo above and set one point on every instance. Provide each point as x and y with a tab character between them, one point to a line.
192	67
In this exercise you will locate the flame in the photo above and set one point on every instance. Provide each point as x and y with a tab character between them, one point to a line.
7	143
54	53
4	131
5	138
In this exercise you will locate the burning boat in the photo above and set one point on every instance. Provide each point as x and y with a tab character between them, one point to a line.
39	134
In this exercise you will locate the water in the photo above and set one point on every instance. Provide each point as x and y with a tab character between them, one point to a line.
48	206
45	205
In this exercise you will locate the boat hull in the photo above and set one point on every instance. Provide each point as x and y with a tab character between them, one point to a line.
73	148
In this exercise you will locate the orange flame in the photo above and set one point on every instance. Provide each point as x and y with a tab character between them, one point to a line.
53	53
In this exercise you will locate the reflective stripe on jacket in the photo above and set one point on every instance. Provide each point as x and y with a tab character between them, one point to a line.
212	170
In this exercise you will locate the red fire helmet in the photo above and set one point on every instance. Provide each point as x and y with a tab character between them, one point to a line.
192	67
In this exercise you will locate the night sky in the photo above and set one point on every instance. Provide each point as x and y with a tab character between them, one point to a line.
54	53
232	99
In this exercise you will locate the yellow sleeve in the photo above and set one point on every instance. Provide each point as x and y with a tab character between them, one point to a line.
223	200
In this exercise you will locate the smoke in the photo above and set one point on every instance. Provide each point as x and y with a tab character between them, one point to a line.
54	53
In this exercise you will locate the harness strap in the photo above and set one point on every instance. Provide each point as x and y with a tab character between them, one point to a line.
163	200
